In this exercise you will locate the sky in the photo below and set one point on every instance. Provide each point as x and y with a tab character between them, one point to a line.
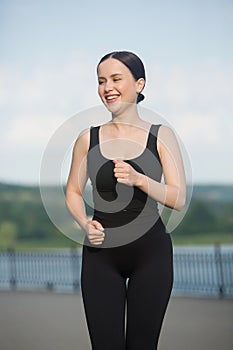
49	52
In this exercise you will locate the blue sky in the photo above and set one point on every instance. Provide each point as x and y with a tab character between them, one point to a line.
49	52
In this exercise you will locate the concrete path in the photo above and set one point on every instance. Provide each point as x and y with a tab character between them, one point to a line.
53	321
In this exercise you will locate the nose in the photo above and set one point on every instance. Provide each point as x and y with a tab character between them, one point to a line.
108	86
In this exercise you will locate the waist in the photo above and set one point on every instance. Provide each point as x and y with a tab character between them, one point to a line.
126	216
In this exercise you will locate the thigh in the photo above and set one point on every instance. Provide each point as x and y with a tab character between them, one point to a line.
104	296
149	290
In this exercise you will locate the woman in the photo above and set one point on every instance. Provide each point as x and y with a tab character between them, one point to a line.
134	268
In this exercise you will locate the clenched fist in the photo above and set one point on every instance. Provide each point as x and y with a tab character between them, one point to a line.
125	173
95	232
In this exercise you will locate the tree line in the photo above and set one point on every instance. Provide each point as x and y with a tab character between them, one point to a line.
23	217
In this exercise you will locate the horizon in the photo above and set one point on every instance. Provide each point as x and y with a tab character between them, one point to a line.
31	184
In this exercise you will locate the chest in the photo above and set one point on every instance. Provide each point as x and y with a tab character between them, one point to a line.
121	148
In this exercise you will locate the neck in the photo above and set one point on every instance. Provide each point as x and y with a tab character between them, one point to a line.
128	116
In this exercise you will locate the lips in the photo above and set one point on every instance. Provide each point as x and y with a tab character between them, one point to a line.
111	98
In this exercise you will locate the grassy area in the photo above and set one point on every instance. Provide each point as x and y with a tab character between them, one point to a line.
63	242
22	245
199	239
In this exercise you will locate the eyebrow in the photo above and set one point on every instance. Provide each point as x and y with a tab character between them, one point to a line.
111	76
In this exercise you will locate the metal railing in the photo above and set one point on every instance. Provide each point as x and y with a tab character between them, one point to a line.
196	271
51	269
204	273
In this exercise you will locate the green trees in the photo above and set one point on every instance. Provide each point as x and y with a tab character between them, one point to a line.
199	218
23	217
8	233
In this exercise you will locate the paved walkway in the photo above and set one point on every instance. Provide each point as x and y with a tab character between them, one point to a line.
52	321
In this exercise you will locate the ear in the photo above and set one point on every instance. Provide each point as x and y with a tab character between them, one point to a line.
140	83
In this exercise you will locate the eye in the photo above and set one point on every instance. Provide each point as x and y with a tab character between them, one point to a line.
101	82
116	79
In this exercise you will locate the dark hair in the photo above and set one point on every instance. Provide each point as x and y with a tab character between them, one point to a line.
132	62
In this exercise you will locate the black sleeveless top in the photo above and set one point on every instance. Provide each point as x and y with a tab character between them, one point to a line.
115	204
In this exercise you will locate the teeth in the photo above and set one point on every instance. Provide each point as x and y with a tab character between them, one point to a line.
111	97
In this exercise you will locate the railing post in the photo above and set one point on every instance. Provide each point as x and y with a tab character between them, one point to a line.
12	268
75	268
219	270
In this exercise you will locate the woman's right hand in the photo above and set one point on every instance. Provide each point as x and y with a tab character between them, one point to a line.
95	232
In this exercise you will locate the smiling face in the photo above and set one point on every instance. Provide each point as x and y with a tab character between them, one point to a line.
117	85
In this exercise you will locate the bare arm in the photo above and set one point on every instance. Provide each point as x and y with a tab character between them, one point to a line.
173	192
75	185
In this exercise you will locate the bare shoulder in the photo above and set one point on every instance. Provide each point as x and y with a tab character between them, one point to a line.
167	139
83	141
165	132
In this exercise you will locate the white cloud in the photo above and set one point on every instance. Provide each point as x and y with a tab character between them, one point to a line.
53	87
31	132
201	85
197	100
199	129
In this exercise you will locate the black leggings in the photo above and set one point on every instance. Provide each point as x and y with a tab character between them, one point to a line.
147	265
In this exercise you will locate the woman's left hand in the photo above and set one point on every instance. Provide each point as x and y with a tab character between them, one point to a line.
125	173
